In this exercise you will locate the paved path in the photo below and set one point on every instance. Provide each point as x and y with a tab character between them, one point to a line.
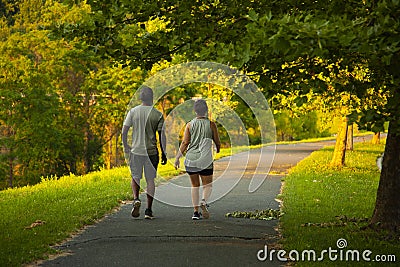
173	239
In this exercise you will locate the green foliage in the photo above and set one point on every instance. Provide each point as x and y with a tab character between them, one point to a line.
87	55
304	126
257	37
111	88
29	106
60	103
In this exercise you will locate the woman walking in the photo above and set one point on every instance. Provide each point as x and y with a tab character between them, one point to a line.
197	143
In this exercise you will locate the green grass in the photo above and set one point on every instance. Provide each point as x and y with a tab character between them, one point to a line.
63	205
228	151
322	205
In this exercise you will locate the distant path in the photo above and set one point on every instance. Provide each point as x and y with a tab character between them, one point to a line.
173	239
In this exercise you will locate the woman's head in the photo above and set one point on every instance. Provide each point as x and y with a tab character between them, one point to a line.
200	107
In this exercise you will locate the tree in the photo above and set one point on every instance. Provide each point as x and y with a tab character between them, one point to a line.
349	140
112	86
28	108
298	116
376	138
366	35
259	37
38	137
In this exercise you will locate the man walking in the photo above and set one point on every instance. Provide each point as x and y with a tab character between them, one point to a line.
145	121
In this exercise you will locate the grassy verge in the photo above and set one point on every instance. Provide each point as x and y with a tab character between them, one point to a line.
35	217
322	205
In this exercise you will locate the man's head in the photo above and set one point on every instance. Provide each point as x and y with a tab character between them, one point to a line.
200	107
146	95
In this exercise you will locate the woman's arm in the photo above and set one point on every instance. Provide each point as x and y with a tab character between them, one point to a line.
184	145
215	136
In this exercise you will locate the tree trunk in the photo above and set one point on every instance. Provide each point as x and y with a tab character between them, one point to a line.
86	153
387	206
10	151
116	148
339	153
87	166
109	148
350	134
11	173
376	138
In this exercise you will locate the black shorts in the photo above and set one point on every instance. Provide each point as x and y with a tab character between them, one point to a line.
204	172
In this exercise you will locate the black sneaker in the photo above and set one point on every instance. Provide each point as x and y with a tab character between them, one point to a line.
204	207
148	214
136	208
196	216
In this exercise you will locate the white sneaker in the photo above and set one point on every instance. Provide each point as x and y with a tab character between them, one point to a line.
205	212
136	208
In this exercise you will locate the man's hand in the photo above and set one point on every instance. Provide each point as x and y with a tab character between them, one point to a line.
163	159
127	149
177	163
